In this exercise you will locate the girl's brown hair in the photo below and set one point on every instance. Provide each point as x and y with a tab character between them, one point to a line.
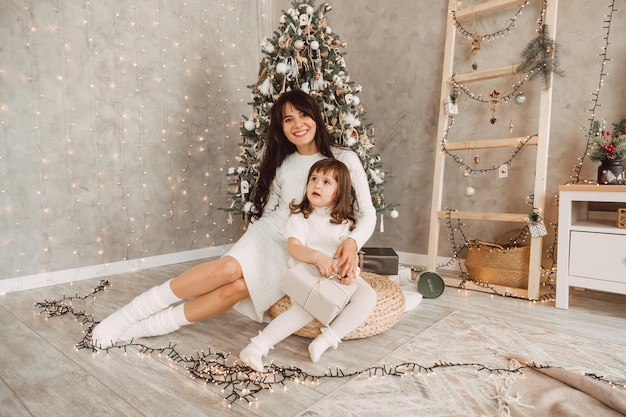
278	147
345	196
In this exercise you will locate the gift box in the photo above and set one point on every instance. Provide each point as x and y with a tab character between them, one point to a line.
382	261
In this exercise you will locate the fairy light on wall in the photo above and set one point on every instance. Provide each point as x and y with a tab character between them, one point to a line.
69	116
120	75
98	157
202	139
144	200
184	206
41	191
119	137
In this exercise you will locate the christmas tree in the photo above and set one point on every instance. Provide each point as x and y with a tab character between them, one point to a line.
305	54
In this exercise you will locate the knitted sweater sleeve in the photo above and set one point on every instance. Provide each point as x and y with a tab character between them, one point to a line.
366	216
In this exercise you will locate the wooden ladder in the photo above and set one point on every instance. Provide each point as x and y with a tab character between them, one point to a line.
541	141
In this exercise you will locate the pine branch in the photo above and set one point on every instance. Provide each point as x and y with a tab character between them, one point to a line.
541	57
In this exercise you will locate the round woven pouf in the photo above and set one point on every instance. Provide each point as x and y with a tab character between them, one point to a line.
387	312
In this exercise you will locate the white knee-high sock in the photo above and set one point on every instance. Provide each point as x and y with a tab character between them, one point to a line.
321	343
109	330
356	311
352	316
163	322
278	329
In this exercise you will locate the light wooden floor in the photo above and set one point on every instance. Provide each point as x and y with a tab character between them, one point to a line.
42	374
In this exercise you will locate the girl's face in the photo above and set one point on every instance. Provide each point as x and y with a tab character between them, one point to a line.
300	130
321	189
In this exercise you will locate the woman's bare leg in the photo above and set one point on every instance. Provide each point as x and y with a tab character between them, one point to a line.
216	301
206	277
219	284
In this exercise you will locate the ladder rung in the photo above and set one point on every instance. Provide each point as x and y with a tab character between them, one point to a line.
487	74
485	7
490	143
479	215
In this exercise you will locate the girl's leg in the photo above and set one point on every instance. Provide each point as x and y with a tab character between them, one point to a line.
278	329
352	316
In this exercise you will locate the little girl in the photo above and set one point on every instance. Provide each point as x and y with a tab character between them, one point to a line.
315	228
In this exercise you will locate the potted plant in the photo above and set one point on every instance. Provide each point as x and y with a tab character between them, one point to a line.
609	149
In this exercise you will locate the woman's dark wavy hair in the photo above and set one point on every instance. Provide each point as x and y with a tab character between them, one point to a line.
278	147
345	198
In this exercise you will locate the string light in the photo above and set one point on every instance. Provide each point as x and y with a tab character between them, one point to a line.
497	34
239	382
595	100
468	169
121	130
457	249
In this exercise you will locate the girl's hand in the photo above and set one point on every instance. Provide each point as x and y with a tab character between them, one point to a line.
348	280
347	260
325	265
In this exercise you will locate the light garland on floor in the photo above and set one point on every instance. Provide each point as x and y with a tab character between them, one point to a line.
239	382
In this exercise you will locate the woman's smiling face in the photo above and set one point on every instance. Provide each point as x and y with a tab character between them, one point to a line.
300	130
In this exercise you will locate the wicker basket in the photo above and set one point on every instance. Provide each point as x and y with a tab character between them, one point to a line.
496	264
387	312
621	217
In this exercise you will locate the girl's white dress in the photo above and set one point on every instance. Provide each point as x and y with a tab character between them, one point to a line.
262	250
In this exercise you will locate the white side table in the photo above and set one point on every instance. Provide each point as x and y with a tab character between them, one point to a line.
591	248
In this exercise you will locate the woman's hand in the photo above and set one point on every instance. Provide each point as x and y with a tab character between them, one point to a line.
347	261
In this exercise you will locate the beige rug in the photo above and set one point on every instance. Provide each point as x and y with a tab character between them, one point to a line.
471	376
464	365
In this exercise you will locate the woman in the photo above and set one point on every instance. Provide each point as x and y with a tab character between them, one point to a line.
249	276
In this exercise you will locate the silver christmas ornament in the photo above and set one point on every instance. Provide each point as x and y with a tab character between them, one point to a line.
520	98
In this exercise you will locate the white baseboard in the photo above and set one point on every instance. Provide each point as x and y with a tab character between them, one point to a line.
30	282
417	259
96	271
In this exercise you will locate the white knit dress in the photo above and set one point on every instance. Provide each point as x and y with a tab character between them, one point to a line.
262	250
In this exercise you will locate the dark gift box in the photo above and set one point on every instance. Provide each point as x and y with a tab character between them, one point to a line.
382	261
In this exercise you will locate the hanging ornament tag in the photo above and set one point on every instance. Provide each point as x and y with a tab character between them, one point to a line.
245	189
537	229
503	171
451	107
382	223
536	226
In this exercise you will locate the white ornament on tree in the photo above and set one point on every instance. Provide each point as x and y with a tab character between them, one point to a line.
281	68
249	125
394	214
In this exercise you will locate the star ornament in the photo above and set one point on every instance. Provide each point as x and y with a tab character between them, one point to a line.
494	99
474	43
